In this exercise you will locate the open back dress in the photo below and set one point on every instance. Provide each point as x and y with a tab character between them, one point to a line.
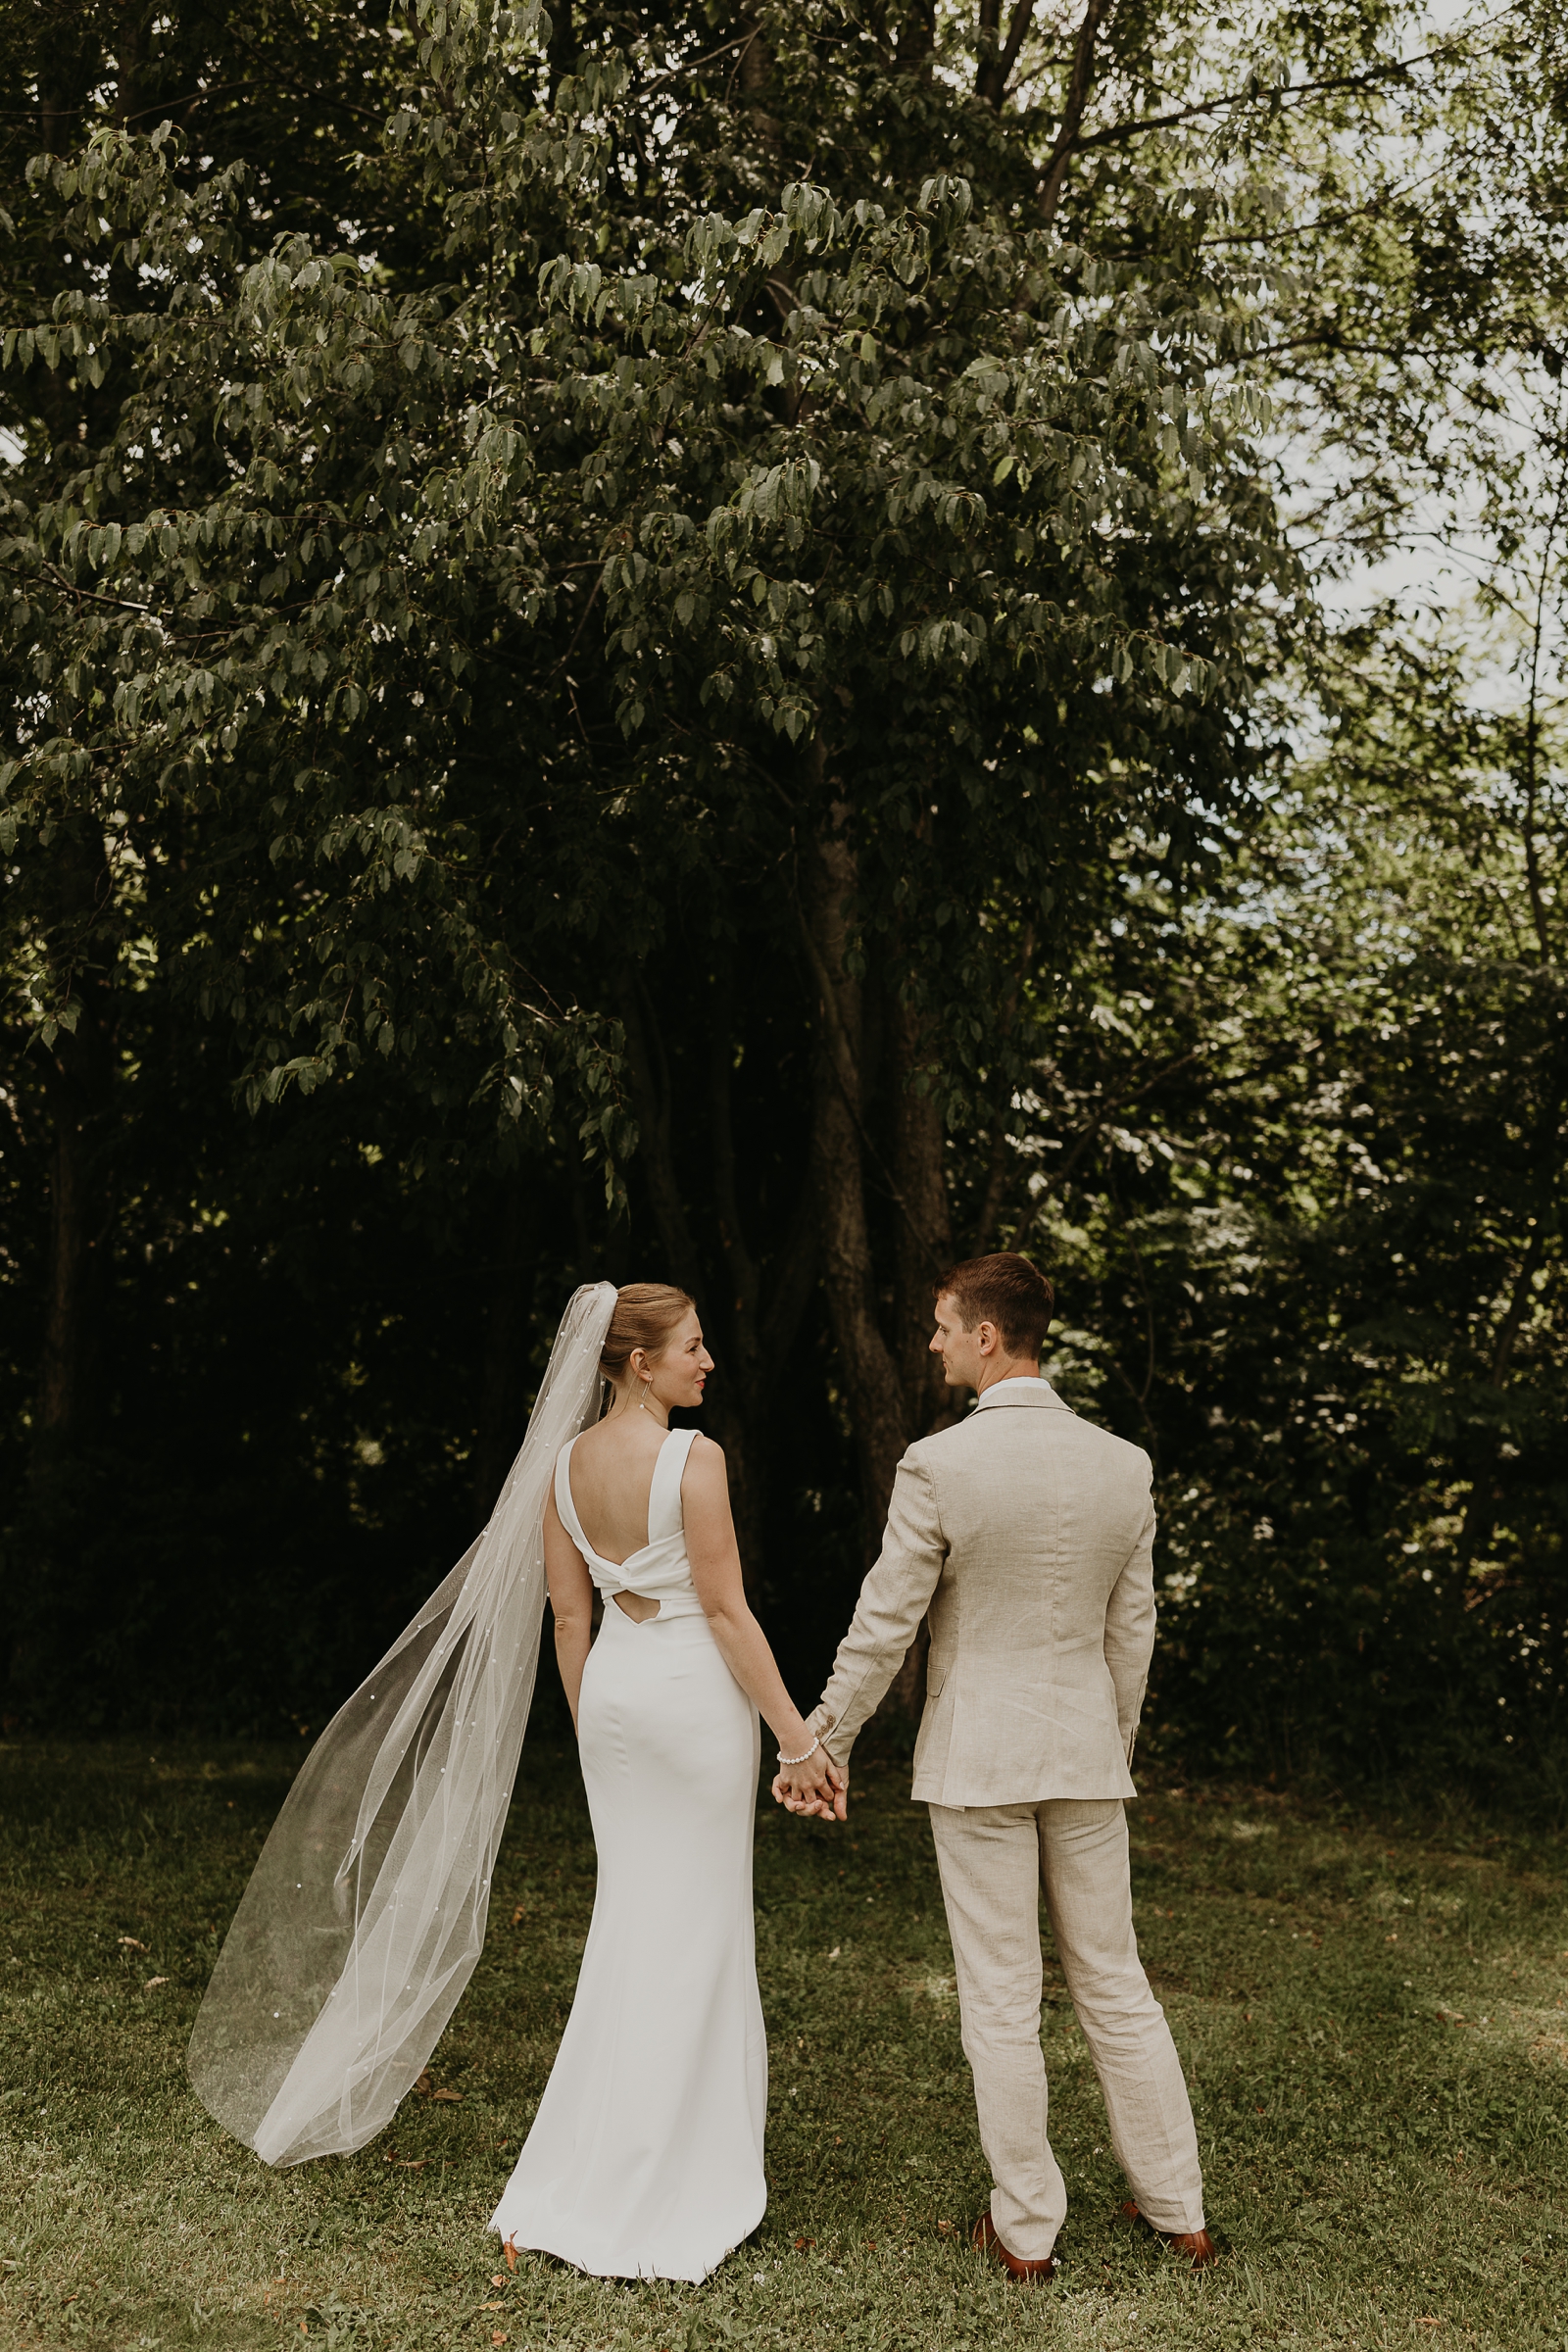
645	2160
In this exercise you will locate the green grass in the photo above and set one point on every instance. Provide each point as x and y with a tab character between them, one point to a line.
1372	2018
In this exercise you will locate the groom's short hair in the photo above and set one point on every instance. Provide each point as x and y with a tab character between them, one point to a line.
1006	1290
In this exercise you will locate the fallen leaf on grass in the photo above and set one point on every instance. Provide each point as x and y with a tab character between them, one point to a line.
151	1980
802	2243
133	1942
425	2087
496	2336
1427	2321
517	1917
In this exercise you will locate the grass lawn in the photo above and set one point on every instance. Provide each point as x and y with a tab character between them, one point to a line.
1372	2017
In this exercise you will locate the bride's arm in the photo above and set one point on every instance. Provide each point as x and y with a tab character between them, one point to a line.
571	1602
814	1783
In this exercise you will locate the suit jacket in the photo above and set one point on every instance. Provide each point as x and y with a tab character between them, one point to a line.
1028	1533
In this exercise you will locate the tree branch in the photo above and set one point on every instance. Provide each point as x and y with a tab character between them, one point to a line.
1021	16
1083	74
984	72
1280	93
1103	1111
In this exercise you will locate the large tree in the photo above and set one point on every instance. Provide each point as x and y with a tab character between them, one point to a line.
447	659
459	652
607	597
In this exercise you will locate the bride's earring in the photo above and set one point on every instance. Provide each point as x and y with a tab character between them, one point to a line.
642	1401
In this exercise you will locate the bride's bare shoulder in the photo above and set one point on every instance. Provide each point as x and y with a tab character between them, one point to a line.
705	1460
592	1450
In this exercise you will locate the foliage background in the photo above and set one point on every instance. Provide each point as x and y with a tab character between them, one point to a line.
769	649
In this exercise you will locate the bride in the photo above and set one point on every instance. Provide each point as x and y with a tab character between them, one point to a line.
646	2156
366	1913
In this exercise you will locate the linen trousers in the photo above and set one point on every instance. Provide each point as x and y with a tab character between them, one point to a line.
994	1861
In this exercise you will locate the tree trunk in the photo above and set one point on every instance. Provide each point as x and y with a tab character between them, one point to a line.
755	73
924	1228
923	1252
131	49
877	1405
649	1084
764	1315
989	26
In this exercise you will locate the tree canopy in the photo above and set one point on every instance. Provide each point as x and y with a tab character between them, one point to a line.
707	645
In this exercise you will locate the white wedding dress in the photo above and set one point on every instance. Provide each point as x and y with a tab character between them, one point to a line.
645	2160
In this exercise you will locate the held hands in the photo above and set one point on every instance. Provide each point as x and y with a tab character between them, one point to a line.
817	1788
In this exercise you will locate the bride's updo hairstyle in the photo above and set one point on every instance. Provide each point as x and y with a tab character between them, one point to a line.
646	1313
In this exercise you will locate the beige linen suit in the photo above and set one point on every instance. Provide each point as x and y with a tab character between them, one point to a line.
1028	1535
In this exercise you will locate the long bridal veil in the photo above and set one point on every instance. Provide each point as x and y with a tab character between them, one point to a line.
367	1909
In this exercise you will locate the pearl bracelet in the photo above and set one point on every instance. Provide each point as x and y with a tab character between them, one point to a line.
805	1759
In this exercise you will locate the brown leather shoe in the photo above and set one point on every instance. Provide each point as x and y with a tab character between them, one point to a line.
985	2241
1193	2245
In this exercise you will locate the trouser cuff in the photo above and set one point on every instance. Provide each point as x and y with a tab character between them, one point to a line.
1029	2240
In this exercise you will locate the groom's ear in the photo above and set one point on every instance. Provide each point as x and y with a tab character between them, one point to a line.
989	1338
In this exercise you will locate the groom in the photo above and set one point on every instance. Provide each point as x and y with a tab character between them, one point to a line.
1028	1535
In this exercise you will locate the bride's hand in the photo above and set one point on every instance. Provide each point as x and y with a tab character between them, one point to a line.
804	1808
816	1787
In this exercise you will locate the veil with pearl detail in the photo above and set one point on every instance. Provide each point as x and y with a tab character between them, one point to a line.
366	1912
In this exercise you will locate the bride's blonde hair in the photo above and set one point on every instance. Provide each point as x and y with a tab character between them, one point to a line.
646	1313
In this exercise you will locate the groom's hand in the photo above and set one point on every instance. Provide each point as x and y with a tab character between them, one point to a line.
826	1800
807	1808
